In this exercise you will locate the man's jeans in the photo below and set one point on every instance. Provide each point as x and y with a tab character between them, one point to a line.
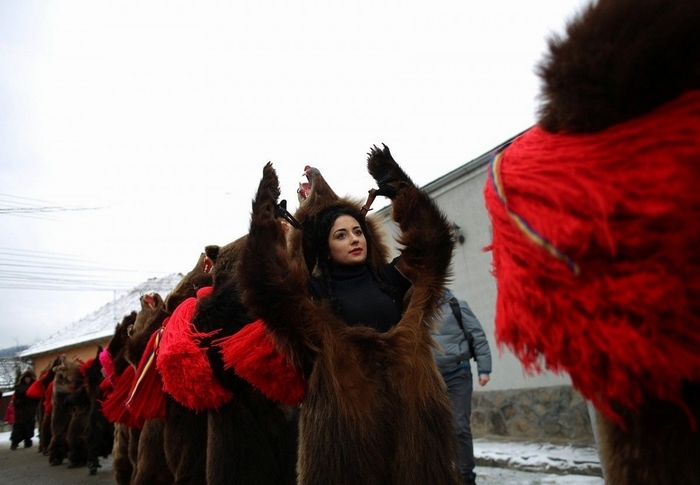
460	386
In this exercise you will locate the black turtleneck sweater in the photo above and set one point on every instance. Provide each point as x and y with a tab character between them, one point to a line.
362	301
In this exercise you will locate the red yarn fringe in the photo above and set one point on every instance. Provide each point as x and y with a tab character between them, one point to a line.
183	364
624	205
36	390
147	399
85	365
114	408
107	365
48	398
253	356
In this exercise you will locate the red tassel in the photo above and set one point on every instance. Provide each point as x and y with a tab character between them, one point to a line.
253	356
36	390
147	399
595	254
113	407
183	364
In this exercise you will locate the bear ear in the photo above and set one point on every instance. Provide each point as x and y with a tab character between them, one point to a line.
212	252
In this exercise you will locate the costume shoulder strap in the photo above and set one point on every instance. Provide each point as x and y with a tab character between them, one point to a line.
454	303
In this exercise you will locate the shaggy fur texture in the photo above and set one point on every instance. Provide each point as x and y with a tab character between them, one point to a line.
113	358
45	385
376	410
100	432
619	61
67	374
163	454
250	439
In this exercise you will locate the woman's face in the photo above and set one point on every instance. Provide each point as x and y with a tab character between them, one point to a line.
347	242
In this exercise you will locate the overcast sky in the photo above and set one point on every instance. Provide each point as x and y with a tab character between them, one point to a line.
133	134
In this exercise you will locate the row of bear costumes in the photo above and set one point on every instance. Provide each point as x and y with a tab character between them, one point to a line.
71	424
595	217
202	392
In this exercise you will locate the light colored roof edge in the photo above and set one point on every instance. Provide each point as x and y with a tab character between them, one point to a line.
61	346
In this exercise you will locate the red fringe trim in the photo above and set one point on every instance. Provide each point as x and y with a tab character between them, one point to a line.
183	364
114	408
36	390
85	365
48	398
107	365
147	399
106	387
624	206
253	356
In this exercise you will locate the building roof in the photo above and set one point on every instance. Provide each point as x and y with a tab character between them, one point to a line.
101	323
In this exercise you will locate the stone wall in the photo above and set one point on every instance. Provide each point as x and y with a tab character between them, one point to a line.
548	414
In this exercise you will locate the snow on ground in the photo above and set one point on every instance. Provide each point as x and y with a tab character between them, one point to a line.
515	463
540	457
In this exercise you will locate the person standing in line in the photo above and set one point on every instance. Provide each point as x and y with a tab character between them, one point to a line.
461	338
25	412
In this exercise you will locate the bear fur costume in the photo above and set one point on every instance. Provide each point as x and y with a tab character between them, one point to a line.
67	375
25	411
156	457
81	407
100	433
114	364
184	431
250	439
42	389
376	409
596	229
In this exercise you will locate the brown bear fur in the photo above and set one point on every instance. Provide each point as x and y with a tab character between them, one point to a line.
121	464
67	373
161	452
46	379
100	433
376	409
618	60
250	439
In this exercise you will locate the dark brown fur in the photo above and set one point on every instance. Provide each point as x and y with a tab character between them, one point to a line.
162	453
376	411
67	373
44	418
149	318
618	60
121	464
250	439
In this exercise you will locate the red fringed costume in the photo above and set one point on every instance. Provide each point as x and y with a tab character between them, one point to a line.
253	356
36	389
147	399
604	228
183	364
114	407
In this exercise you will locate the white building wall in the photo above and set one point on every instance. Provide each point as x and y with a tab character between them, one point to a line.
460	196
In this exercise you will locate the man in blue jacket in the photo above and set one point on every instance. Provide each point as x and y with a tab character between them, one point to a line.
461	338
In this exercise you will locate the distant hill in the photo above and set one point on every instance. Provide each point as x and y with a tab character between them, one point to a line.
12	351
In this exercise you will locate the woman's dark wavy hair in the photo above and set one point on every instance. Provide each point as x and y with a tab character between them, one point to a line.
317	252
